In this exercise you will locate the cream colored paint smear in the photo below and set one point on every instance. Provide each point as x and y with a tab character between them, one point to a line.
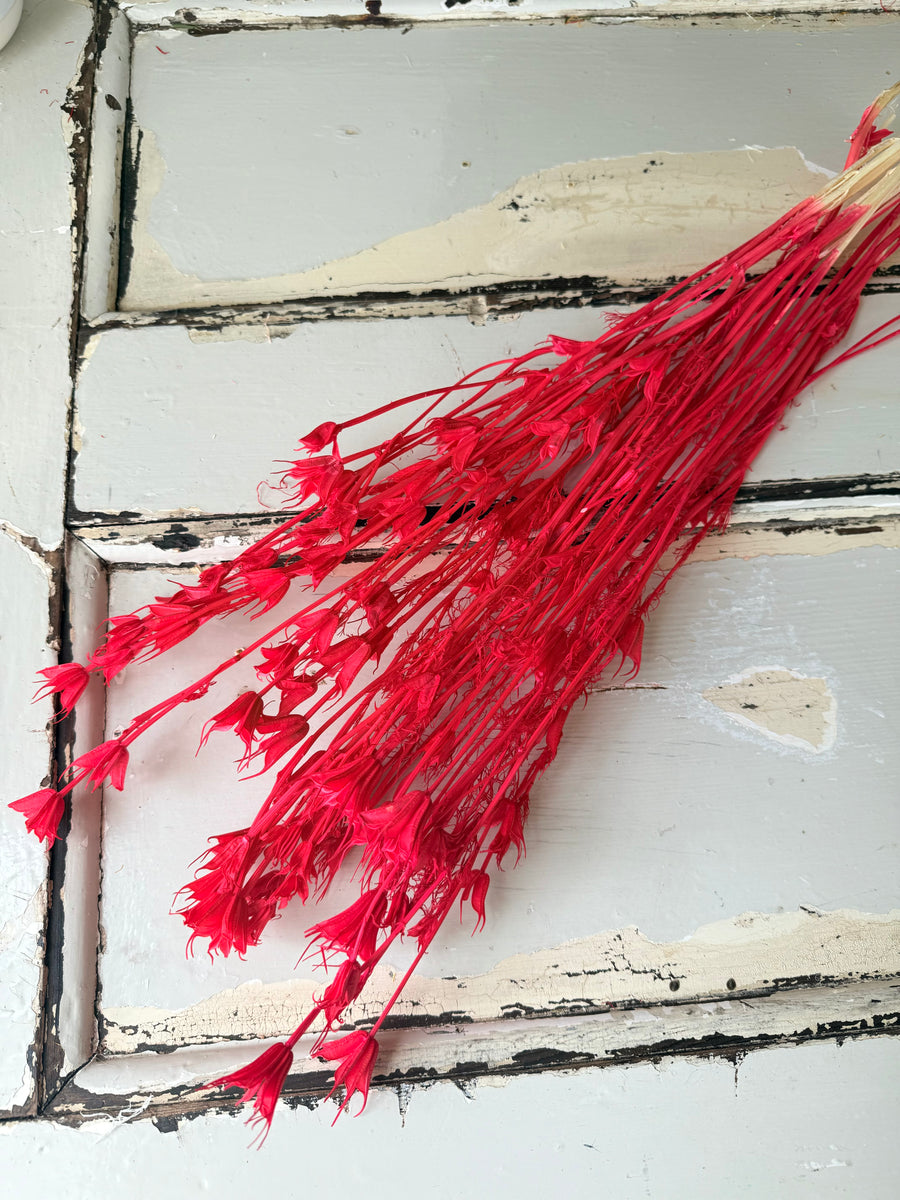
644	218
749	952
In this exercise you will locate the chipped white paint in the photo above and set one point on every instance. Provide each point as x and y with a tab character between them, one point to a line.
811	528
26	756
482	1050
805	12
748	953
632	811
403	172
794	709
36	263
625	1132
75	1025
111	85
36	71
634	220
169	426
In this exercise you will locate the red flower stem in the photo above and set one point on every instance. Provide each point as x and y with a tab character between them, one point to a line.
298	1033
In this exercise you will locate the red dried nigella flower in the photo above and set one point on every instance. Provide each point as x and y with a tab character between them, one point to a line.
355	1055
348	982
43	812
68	681
320	437
106	761
242	715
507	551
261	1082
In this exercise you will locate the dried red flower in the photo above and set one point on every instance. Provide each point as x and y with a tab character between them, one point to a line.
355	1056
108	761
43	812
261	1082
523	538
242	715
68	681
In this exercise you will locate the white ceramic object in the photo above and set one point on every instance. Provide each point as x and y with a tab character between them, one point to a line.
10	15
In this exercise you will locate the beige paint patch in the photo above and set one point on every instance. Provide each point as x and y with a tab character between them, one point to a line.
750	952
644	218
796	710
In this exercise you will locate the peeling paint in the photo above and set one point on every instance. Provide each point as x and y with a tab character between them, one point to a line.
240	333
494	1052
45	557
612	218
794	709
755	531
750	953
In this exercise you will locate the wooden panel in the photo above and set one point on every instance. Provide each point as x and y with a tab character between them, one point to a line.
662	812
167	424
814	1121
36	265
803	12
39	97
26	756
470	155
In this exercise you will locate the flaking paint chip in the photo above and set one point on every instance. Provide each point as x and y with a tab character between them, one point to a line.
796	710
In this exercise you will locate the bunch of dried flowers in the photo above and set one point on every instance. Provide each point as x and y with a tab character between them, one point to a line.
524	534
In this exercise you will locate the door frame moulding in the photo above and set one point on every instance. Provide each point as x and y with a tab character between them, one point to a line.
158	1086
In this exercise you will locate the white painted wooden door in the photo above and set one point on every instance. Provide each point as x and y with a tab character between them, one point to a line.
295	213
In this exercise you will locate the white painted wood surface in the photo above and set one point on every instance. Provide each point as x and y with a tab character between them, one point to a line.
332	162
37	69
26	756
662	812
804	13
811	1121
36	72
694	869
170	425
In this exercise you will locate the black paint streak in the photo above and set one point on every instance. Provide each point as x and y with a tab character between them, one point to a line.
97	518
128	185
545	1058
819	489
177	538
79	516
47	1057
492	301
308	1090
851	530
229	25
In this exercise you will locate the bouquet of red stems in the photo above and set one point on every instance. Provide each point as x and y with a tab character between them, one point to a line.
526	521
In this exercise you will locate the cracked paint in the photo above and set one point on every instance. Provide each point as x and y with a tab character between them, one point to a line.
796	710
748	953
